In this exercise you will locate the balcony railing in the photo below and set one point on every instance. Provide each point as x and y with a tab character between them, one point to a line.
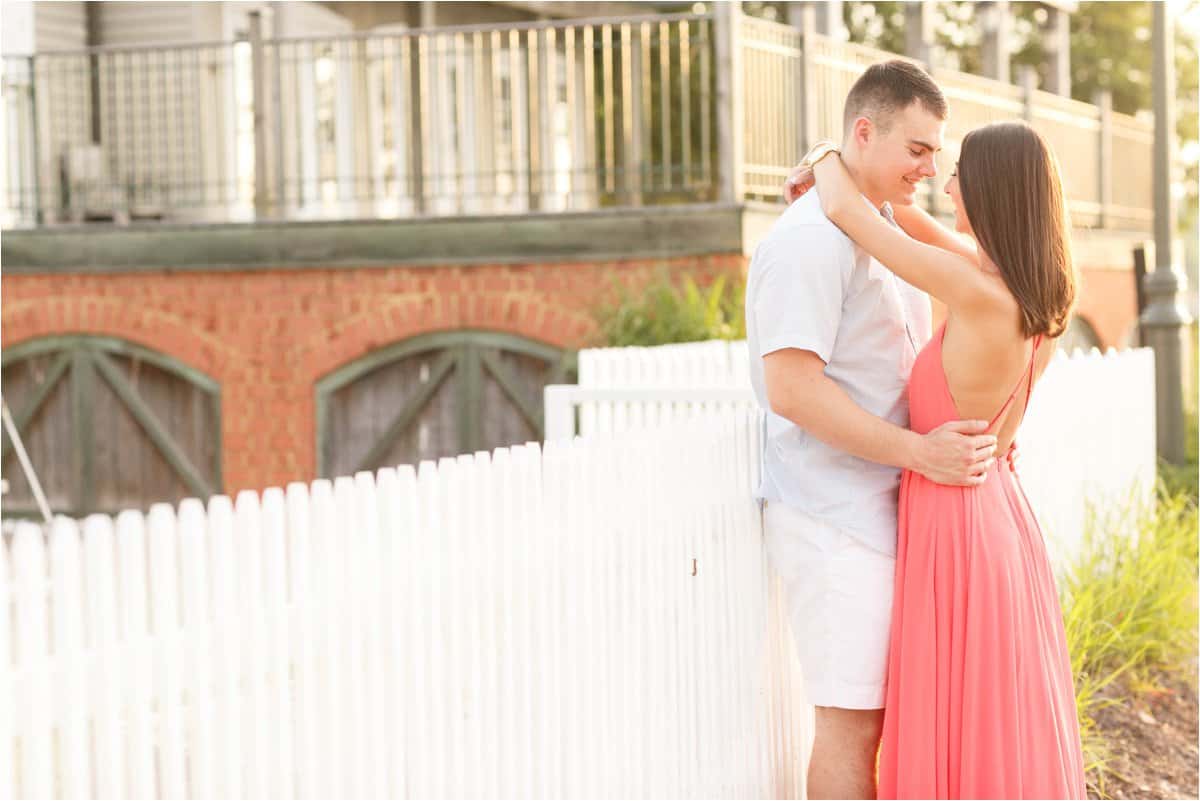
794	86
476	120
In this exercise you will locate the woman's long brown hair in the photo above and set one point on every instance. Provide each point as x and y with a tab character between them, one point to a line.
1012	193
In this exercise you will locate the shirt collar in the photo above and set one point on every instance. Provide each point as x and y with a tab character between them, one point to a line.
884	210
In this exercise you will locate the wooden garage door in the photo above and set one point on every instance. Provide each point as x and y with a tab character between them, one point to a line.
108	425
433	396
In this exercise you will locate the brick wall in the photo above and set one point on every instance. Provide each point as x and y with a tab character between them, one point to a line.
1108	301
268	336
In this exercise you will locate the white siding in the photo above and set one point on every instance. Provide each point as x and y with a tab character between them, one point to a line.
309	19
126	24
59	26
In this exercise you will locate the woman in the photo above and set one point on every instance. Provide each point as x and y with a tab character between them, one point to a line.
980	701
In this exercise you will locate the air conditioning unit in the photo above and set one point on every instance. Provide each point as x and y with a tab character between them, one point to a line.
89	193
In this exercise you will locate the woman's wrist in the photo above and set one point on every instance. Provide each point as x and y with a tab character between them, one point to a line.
819	151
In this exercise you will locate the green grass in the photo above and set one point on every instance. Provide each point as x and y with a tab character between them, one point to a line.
1130	610
1131	605
665	311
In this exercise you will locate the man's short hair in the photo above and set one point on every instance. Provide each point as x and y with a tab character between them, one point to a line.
890	87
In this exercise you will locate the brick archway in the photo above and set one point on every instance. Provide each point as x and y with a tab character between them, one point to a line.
268	335
156	328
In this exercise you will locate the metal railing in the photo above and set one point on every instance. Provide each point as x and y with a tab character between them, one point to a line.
118	133
794	86
484	119
466	120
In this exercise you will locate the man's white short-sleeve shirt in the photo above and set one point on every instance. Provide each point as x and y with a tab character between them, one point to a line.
810	287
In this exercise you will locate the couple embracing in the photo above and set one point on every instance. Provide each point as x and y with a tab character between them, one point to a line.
918	585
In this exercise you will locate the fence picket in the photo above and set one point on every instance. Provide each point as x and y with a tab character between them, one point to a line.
392	630
279	661
345	545
169	666
552	572
226	650
35	720
105	690
576	656
197	623
512	750
430	767
327	603
9	680
302	641
66	577
369	678
473	582
410	653
138	660
454	620
247	548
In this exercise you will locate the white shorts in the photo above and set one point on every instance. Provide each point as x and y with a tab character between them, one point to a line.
839	600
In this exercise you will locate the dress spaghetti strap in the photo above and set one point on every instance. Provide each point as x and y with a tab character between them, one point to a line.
1027	374
1029	386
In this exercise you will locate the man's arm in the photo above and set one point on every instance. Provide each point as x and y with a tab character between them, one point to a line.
957	453
797	289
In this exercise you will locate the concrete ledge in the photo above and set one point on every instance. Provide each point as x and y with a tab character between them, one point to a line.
604	235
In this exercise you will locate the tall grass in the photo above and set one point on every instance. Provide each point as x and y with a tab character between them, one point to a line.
1130	609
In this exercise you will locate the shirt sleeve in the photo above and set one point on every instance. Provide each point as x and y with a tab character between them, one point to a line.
802	283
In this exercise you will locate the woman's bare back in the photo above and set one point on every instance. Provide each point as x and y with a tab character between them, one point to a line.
985	365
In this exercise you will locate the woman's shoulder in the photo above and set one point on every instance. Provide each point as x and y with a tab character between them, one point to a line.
995	328
992	300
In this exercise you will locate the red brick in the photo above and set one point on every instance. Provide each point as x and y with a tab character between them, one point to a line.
266	337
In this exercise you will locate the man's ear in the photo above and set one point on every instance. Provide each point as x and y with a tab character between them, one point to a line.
862	130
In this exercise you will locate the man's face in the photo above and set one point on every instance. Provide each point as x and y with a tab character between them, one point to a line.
895	161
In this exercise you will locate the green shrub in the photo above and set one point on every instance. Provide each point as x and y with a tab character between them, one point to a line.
665	311
1130	609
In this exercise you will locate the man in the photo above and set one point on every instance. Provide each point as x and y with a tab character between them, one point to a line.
833	335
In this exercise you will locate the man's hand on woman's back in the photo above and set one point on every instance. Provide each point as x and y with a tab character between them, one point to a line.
957	453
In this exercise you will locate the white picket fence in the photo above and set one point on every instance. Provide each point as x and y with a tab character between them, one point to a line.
594	617
1087	444
591	619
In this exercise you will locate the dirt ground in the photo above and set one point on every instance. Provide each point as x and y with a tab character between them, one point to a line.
1152	741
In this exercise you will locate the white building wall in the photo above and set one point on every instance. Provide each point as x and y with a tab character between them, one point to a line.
122	24
16	28
58	26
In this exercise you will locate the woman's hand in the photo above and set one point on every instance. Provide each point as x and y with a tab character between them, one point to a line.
798	182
